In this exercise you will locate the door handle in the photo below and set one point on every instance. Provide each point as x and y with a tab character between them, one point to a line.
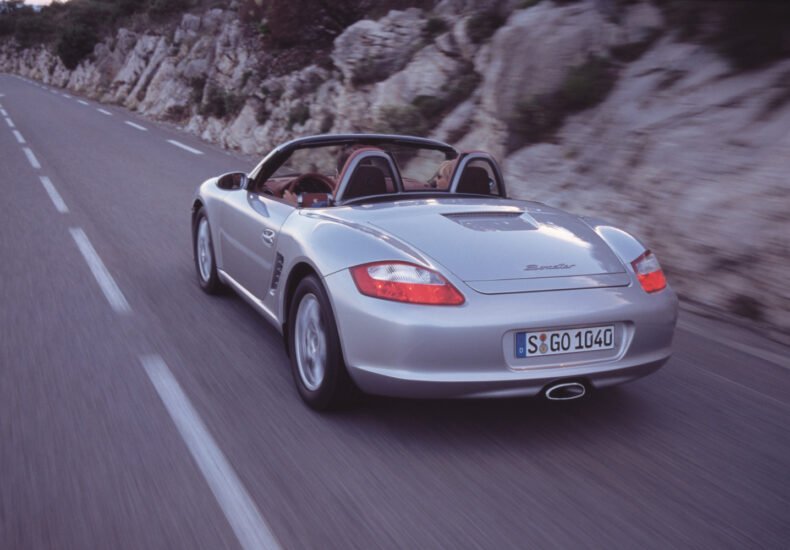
268	236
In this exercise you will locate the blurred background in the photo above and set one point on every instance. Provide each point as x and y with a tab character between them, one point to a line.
668	117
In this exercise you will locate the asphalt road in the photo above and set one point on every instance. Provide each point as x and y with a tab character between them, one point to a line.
137	412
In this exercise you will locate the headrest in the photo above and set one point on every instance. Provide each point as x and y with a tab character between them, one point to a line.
474	180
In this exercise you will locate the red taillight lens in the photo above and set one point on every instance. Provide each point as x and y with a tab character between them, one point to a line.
649	273
403	282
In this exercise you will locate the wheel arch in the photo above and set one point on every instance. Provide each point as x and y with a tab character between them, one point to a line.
197	204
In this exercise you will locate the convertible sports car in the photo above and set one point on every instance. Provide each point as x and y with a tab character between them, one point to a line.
398	266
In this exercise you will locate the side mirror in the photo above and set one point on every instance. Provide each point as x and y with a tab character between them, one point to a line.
233	180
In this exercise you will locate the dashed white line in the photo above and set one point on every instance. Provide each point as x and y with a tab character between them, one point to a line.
3	112
184	147
31	158
133	125
57	200
54	91
106	282
18	136
9	122
81	102
67	96
240	510
104	112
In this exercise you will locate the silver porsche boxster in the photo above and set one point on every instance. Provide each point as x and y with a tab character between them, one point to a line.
398	266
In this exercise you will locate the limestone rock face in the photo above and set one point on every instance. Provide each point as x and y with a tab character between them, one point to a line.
692	162
369	51
687	155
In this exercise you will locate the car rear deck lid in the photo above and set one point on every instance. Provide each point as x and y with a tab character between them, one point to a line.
544	284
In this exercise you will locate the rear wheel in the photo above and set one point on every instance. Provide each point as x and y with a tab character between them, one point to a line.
316	358
203	250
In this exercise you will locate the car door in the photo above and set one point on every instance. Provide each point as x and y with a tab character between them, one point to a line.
251	225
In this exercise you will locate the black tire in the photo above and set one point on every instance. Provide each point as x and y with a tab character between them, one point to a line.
335	389
209	281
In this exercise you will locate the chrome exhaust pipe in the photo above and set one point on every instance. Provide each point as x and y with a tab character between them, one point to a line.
565	391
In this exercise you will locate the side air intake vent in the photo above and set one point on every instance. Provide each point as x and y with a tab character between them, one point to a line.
278	268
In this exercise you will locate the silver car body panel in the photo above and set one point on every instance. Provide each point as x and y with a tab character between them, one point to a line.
521	266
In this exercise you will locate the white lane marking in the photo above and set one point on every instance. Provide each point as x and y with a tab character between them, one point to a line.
239	509
54	196
67	96
769	356
104	112
54	91
184	147
106	282
3	112
31	158
9	122
133	125
81	102
18	136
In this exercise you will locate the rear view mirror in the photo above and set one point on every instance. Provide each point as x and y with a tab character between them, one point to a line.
233	180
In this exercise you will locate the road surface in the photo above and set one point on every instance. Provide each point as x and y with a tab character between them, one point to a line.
137	412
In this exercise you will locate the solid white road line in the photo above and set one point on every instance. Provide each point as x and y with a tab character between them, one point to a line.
106	282
102	111
31	158
9	122
54	196
133	125
184	147
239	509
18	136
765	355
81	102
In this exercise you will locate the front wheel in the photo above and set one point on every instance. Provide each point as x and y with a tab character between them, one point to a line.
316	358
203	250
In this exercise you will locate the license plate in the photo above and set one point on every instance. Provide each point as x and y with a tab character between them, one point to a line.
554	342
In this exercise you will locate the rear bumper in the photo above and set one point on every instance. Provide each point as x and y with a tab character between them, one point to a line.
457	386
405	350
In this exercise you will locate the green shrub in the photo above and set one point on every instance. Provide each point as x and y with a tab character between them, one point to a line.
219	103
626	53
327	123
75	44
749	34
747	306
537	118
432	108
482	25
165	8
262	113
588	84
299	114
434	26
401	119
197	85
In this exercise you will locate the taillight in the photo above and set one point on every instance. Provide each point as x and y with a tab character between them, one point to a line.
404	282
649	273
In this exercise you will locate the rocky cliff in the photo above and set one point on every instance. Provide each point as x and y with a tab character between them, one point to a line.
594	106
